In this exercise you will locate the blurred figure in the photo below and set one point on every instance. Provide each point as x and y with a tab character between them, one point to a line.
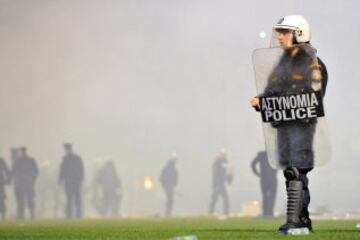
46	188
110	187
268	182
72	176
24	174
4	180
220	177
169	180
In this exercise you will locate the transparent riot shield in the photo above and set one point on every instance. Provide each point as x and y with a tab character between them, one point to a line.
289	89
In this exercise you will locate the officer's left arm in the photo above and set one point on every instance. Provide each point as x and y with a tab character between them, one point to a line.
324	75
313	75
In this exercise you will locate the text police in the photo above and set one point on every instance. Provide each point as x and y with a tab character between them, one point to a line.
291	107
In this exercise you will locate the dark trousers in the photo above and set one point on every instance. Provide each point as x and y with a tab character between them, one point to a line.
295	145
73	203
110	204
169	201
25	197
220	192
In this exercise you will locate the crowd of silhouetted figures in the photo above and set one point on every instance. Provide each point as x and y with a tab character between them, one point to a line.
23	171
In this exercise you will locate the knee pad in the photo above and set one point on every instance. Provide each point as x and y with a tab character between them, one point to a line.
291	173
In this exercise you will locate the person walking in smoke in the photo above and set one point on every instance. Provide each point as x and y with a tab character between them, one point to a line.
298	71
169	180
72	176
46	189
110	189
268	182
220	178
24	175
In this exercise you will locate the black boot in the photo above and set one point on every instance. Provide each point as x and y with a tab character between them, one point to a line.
294	192
305	219
285	227
294	189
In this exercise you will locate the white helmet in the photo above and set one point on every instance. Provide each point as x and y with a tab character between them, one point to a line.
173	156
223	151
221	154
297	23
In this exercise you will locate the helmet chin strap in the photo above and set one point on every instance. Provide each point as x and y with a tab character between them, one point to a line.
289	45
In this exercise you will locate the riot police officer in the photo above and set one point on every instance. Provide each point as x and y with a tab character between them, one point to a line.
111	191
169	180
298	71
72	176
221	176
24	175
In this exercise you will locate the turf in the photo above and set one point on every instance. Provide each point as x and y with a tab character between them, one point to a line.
157	229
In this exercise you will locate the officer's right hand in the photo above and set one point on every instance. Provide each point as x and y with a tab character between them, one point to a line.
255	103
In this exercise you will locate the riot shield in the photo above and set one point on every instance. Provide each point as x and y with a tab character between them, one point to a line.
289	89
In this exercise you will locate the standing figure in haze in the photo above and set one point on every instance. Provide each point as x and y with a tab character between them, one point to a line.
221	176
72	176
46	188
24	175
268	182
4	180
169	180
298	70
110	189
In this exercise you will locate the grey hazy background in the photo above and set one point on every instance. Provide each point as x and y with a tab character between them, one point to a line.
139	79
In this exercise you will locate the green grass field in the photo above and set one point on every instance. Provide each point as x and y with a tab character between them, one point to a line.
157	229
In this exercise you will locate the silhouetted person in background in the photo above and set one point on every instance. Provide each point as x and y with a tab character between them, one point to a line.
46	188
268	182
72	176
220	177
4	180
110	188
24	174
169	180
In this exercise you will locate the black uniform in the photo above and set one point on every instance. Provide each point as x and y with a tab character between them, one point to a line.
24	174
296	73
220	177
72	176
110	185
169	180
4	180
